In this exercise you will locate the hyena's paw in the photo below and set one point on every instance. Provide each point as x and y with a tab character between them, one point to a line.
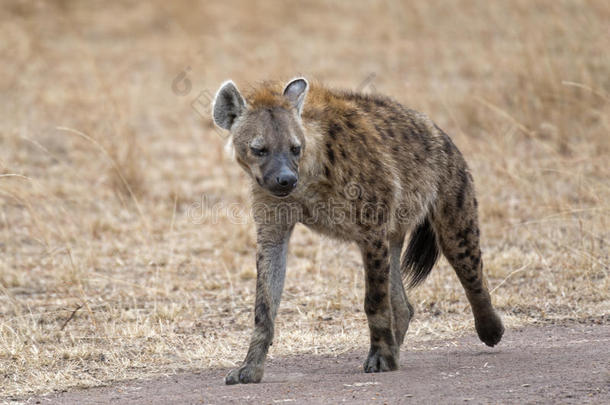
244	375
490	329
377	362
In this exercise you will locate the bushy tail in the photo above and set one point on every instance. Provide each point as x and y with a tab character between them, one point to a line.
421	254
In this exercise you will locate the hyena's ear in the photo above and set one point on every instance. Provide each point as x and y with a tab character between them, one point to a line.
295	92
228	105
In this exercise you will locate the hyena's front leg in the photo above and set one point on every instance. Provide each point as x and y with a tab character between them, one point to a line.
383	354
272	246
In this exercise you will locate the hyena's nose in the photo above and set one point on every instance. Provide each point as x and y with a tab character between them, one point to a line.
286	179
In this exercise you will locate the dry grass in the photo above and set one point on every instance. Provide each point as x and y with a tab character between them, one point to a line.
110	269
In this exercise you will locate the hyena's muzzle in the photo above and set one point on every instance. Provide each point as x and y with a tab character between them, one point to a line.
279	176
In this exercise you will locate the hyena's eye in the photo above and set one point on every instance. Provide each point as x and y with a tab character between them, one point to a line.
259	151
296	150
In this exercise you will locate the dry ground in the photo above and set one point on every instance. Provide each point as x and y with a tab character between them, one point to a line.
556	364
126	249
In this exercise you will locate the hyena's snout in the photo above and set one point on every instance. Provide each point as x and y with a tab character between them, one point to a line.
280	180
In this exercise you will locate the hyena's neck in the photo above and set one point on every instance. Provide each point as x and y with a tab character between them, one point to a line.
314	137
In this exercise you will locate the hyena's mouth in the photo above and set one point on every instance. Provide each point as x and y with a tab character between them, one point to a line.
277	191
280	193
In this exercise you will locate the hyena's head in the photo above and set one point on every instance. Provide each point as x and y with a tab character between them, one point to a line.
267	134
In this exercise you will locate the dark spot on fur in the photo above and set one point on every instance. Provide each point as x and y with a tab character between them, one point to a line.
472	279
383	334
330	153
380	102
350	114
369	309
383	252
378	296
462	189
376	263
377	276
465	233
333	129
260	312
326	171
378	244
448	146
463	255
370	306
446	210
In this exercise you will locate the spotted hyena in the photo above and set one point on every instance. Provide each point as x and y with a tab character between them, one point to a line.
360	168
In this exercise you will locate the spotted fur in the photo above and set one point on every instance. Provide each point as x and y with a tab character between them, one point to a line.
364	169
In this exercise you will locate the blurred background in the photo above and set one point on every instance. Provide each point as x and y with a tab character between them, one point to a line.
126	246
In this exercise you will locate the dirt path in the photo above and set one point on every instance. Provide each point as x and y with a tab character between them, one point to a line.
552	364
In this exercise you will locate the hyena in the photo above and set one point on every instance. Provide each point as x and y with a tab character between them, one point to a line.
361	168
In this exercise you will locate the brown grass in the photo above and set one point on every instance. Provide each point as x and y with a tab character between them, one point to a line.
109	267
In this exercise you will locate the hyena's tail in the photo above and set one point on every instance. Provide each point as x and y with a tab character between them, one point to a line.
421	254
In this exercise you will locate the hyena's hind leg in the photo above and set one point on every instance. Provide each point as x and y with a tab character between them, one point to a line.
402	310
456	225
